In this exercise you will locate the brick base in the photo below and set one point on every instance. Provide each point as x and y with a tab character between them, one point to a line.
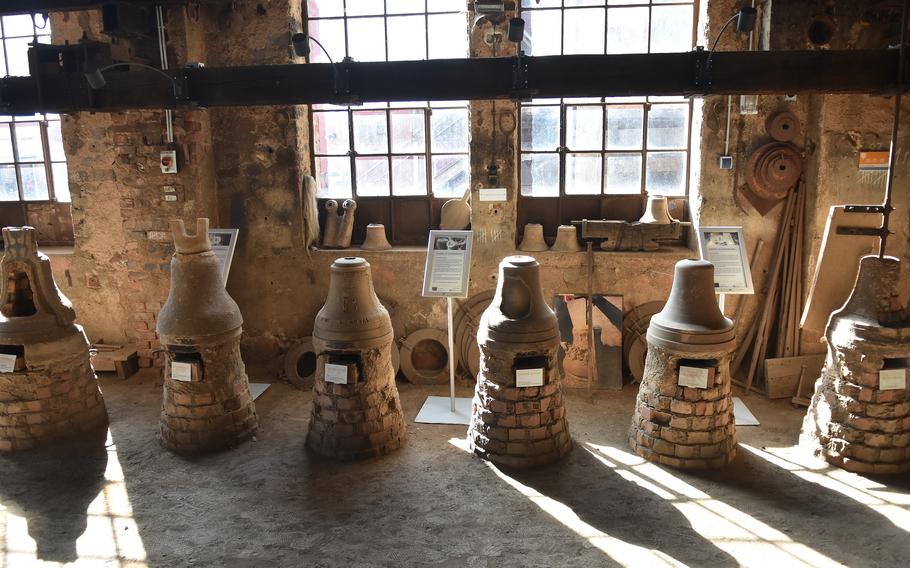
682	427
213	413
517	427
361	419
53	400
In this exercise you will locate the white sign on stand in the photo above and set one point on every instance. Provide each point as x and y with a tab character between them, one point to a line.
528	377
337	374
725	248
892	379
447	275
223	243
7	363
181	371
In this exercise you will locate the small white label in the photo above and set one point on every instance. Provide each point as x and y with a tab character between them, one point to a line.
494	194
169	188
695	377
529	377
337	374
170	198
892	379
181	371
7	363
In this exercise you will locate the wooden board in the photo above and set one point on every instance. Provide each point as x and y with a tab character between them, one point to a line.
782	375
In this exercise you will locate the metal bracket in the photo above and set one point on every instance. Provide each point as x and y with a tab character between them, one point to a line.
862	231
520	90
342	82
702	69
864	209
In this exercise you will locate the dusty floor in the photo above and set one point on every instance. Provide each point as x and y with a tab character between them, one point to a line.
269	503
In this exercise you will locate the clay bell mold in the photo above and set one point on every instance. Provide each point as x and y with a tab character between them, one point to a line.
50	393
566	239
532	240
691	318
657	211
376	238
207	402
352	315
519	314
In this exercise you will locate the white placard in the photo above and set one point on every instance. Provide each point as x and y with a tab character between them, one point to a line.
337	374
223	243
695	377
725	248
494	194
528	377
892	379
7	363
182	371
448	264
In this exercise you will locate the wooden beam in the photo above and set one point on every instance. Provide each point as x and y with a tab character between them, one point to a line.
756	72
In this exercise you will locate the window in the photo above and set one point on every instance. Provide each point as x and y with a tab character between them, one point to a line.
605	147
32	163
399	149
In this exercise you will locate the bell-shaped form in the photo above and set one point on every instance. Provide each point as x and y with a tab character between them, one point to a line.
197	305
657	211
519	313
691	319
533	241
376	238
874	293
566	239
352	315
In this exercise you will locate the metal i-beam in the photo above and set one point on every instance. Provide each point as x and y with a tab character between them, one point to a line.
13	7
755	72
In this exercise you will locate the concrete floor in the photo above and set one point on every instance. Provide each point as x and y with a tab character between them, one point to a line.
269	503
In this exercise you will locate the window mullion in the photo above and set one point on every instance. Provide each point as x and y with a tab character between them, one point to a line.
427	149
46	150
352	153
646	108
562	148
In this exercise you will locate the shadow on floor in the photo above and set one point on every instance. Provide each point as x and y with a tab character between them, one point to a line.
52	488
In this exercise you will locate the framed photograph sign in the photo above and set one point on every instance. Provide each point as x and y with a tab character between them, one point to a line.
725	247
448	264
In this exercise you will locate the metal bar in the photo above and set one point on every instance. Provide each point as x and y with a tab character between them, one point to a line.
895	126
758	72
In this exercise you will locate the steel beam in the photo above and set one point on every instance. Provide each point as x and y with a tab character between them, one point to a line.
12	7
757	72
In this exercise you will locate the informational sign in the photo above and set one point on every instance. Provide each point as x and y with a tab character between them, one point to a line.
7	363
892	379
337	374
529	377
181	371
494	194
223	243
695	377
725	248
448	264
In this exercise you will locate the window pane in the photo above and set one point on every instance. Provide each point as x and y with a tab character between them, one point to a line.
362	7
448	36
584	127
624	127
449	130
666	173
366	39
330	130
6	144
542	32
623	174
584	2
372	176
409	175
446	6
671	29
61	182
627	30
584	31
668	126
540	4
450	176
370	133
9	188
18	26
330	34
583	174
55	140
408	132
34	182
324	9
333	177
17	56
28	142
406	38
540	175
539	128
401	6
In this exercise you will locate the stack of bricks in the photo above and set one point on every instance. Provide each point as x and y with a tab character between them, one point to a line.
859	416
684	427
517	427
360	419
215	410
50	392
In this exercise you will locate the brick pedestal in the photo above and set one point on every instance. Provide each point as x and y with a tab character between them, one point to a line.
684	427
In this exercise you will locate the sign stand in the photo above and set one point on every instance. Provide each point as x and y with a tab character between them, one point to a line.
448	263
